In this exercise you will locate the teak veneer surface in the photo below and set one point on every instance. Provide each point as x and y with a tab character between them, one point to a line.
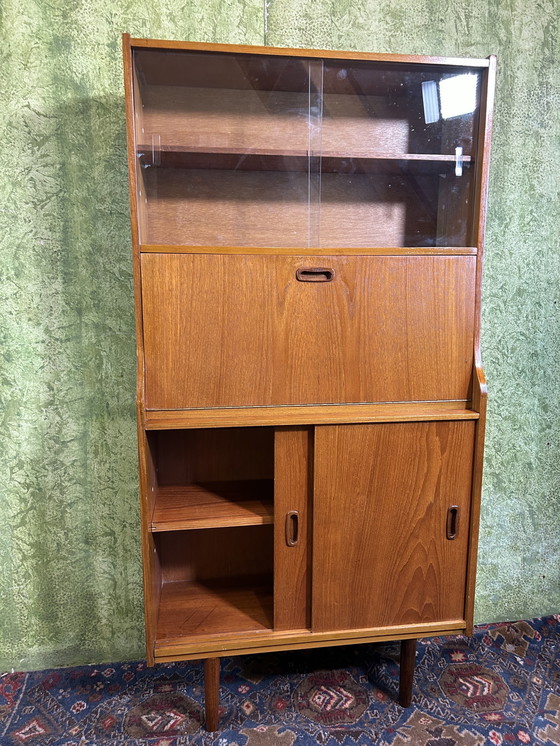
226	331
161	64
322	414
293	486
357	405
382	493
213	505
239	643
215	607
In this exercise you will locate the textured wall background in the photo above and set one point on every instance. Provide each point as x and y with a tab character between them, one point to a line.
70	579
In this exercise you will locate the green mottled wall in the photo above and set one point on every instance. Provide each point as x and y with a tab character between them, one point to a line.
70	584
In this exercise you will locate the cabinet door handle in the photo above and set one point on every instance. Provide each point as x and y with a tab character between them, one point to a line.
292	528
452	528
315	274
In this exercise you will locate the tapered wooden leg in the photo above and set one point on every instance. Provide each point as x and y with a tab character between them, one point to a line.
408	659
211	692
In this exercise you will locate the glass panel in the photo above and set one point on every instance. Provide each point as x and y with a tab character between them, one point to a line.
397	154
223	146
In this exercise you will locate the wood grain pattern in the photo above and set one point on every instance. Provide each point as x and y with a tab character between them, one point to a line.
230	119
223	207
213	505
209	607
386	329
224	554
269	640
308	415
246	374
293	491
365	124
214	455
359	210
380	553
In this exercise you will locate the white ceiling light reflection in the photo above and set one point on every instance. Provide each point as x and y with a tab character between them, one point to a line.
450	97
457	95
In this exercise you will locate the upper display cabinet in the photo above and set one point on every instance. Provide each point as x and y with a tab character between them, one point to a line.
271	151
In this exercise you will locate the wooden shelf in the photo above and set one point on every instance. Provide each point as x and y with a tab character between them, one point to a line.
213	505
328	414
260	159
215	606
314	251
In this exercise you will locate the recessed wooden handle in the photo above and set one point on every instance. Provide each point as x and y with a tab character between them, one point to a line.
292	528
452	522
315	274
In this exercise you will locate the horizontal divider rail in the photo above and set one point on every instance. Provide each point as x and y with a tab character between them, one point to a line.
316	414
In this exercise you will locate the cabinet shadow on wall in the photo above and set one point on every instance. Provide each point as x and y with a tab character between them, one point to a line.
73	496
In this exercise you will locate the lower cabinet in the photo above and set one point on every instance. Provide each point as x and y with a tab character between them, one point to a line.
264	538
261	533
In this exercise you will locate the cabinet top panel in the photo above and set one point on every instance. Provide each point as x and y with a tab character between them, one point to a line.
322	53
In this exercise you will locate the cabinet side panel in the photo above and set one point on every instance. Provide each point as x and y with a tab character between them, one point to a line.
381	509
292	489
152	571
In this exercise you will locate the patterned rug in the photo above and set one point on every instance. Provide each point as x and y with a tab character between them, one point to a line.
500	687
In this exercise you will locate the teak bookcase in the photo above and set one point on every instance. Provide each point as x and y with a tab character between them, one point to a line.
308	234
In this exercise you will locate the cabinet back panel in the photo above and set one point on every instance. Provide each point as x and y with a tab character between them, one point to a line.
362	210
216	455
203	118
226	207
397	205
215	553
382	494
235	120
237	330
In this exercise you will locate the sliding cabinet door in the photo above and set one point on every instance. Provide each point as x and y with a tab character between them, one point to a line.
390	523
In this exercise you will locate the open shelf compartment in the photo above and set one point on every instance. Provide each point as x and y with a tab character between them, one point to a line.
209	584
214	478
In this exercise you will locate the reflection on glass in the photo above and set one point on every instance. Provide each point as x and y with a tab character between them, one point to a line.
223	146
396	155
458	95
265	151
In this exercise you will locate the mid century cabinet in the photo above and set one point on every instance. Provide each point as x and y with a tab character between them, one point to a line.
308	235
